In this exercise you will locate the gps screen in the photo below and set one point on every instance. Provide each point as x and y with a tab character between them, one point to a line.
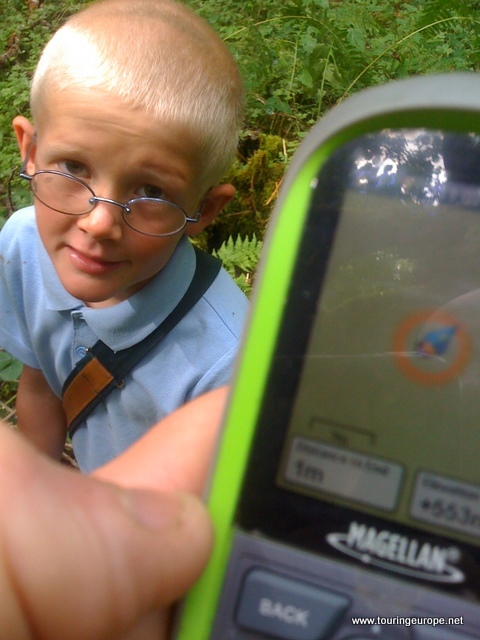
386	418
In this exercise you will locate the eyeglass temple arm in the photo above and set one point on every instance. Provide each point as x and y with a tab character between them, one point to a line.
196	216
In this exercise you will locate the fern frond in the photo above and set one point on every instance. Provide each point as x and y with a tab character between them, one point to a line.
434	12
240	258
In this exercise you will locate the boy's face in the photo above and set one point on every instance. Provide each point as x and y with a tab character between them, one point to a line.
120	155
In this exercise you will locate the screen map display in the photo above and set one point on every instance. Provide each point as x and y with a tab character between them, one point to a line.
387	413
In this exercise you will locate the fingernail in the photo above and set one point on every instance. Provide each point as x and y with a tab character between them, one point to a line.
153	509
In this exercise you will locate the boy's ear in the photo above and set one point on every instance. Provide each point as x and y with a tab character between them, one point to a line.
24	133
216	199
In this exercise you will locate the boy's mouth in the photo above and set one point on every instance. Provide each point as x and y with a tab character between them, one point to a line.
90	264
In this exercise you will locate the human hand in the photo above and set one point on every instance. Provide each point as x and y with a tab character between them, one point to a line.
81	558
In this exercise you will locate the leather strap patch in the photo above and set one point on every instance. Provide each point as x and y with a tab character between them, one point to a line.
91	380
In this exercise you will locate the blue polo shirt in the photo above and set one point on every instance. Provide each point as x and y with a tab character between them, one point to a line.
46	328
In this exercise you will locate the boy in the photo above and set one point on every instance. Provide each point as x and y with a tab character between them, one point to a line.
136	107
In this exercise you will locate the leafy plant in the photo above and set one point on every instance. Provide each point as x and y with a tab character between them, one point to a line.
240	258
300	57
10	368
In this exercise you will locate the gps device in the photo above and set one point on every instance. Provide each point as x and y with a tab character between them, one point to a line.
346	492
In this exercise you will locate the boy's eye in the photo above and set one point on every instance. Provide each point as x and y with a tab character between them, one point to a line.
74	168
150	191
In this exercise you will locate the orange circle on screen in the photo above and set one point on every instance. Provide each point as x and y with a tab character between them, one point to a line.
402	353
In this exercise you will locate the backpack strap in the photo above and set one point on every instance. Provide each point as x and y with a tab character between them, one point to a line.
102	369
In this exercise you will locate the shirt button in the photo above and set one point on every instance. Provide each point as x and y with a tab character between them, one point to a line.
81	351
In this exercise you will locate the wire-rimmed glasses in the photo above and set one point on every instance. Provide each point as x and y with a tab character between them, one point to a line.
69	195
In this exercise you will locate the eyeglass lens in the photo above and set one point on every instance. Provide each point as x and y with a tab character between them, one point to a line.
68	195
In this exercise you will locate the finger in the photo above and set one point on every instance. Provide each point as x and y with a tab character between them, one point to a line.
176	453
82	559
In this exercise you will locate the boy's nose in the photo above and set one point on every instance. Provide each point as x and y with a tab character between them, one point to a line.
104	222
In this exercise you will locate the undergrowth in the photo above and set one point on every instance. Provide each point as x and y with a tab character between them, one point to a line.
240	258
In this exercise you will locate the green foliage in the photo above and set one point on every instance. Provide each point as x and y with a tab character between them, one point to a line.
240	258
300	57
10	368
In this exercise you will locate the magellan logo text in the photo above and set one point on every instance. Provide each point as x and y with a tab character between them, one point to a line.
396	552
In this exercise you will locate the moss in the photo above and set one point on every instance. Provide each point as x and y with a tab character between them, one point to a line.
256	174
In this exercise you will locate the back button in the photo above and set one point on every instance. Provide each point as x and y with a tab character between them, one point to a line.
284	608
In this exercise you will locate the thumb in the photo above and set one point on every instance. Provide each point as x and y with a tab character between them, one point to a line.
80	558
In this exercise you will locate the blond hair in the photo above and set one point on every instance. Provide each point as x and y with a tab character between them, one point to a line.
156	55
